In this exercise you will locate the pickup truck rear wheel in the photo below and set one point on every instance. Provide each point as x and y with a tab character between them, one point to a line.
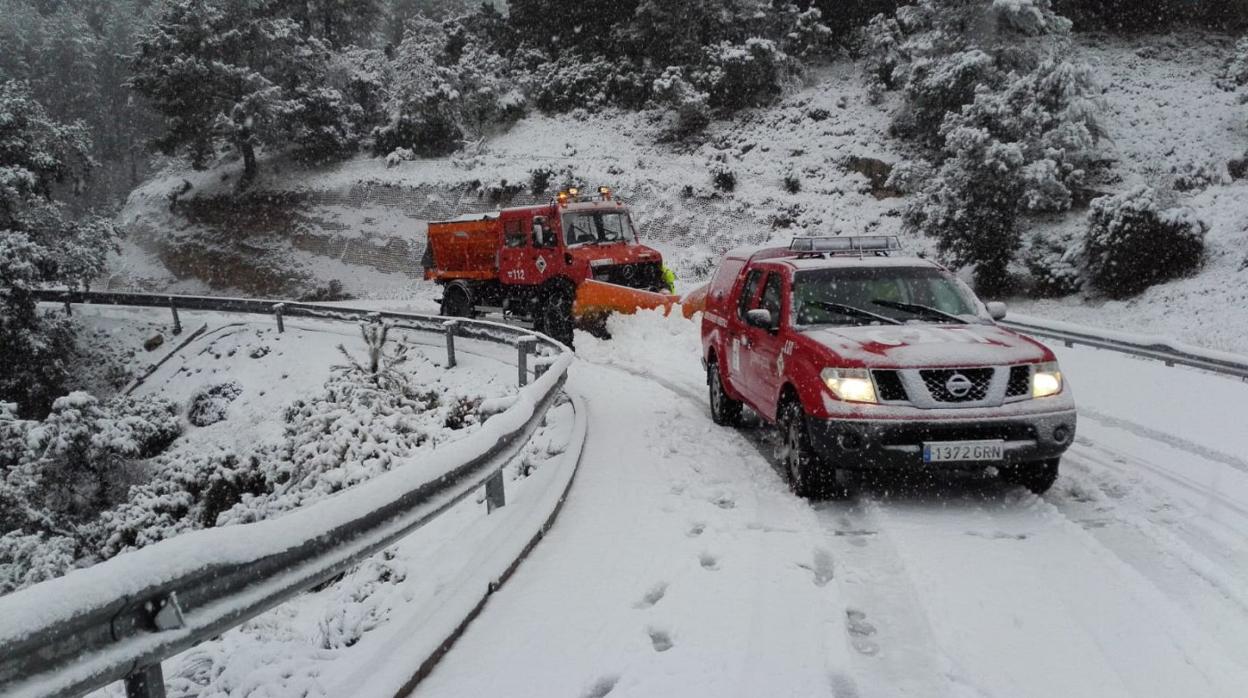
724	410
1037	477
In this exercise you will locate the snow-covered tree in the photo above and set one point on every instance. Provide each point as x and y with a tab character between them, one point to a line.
971	205
1011	122
245	74
40	244
450	86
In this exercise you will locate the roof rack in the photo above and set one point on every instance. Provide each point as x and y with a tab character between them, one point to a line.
838	245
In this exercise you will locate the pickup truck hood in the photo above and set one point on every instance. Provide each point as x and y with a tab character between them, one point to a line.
916	345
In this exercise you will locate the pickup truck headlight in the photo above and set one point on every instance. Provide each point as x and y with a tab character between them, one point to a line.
850	384
1046	380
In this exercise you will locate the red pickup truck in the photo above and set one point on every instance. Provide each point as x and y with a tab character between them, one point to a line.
866	359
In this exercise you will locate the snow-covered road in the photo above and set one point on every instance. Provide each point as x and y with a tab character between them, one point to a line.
682	566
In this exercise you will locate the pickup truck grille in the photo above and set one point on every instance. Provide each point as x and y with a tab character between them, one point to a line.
889	384
643	275
1020	381
942	388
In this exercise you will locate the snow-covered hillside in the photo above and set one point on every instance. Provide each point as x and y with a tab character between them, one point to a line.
362	222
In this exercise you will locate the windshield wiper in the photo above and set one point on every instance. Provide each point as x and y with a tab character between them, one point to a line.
855	312
923	310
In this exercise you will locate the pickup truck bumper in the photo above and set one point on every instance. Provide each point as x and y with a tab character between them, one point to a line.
862	444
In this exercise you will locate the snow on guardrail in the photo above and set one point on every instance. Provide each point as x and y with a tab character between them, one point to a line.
1163	349
119	619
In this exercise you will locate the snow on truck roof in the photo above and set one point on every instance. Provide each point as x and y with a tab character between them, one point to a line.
469	217
801	261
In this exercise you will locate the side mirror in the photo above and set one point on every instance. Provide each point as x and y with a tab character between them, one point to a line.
760	318
996	310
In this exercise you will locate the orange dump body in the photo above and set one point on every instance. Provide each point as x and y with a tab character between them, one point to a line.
465	249
595	298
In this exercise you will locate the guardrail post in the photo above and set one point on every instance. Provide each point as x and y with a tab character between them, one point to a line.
177	323
277	310
495	496
148	682
524	347
452	326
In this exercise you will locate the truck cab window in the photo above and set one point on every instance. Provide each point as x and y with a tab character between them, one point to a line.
540	233
749	293
513	234
772	295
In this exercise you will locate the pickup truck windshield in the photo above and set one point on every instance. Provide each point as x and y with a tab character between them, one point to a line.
825	296
593	228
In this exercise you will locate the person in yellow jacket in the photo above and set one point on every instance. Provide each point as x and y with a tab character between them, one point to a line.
669	279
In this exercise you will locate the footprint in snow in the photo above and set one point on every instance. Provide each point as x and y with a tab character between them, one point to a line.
843	686
653	596
709	561
724	502
601	687
860	632
696	530
660	640
821	567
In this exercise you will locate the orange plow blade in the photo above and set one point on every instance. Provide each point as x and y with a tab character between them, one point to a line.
598	298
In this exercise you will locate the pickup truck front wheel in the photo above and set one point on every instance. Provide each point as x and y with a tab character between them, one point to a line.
1037	477
809	474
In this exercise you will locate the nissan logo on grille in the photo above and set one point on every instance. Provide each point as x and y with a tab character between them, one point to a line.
959	385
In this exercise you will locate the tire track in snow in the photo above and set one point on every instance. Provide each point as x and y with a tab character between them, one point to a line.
619	593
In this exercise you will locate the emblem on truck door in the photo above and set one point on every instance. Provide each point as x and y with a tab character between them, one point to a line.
541	265
959	385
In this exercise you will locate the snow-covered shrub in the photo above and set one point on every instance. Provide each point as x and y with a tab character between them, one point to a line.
30	558
58	474
791	182
209	404
577	82
361	601
399	155
1054	263
739	75
1133	243
689	110
723	178
539	180
1198	174
1235	71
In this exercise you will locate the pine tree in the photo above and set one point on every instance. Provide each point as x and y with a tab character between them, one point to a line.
40	244
243	74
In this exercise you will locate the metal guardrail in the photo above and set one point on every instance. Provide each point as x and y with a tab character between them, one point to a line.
117	620
1159	350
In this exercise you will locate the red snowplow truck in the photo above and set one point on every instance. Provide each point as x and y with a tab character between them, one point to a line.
573	259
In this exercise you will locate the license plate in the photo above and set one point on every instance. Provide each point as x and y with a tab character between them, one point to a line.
955	451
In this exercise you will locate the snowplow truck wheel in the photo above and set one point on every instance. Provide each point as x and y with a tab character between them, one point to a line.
555	315
456	301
